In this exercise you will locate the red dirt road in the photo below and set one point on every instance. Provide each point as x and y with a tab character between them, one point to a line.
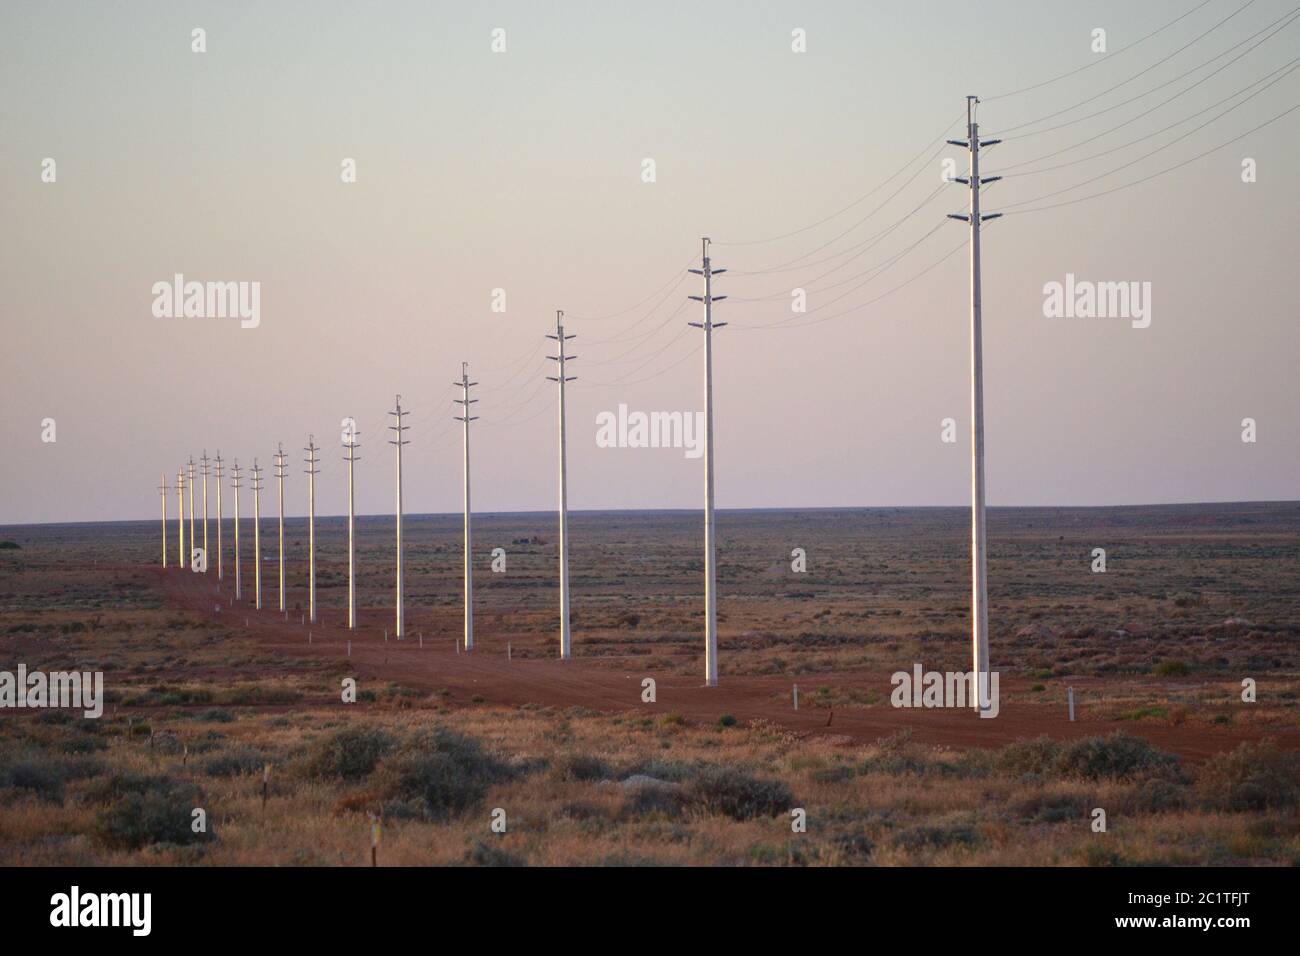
486	678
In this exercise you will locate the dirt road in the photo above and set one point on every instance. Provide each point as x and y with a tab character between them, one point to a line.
486	678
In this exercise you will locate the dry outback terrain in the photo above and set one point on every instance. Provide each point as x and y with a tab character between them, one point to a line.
204	692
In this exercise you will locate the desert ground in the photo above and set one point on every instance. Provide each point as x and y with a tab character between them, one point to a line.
204	692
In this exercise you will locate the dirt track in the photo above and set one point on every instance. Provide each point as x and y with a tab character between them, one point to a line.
486	678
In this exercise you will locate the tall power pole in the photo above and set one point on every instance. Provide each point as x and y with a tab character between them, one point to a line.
979	557
710	537
220	557
465	384
257	536
560	358
239	582
350	443
205	472
311	471
399	428
279	478
163	489
193	541
180	518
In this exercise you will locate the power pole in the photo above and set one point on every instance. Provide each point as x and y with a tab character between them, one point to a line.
279	477
979	556
193	541
236	485
220	557
180	518
710	534
204	459
399	428
257	536
560	358
466	401
350	443
311	471
163	489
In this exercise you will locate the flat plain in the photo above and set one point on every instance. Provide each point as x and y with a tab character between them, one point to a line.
204	692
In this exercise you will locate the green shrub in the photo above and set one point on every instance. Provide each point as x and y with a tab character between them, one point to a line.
447	772
726	720
1028	756
236	763
664	800
149	810
938	836
583	767
349	753
1252	777
735	794
1118	756
484	854
1173	668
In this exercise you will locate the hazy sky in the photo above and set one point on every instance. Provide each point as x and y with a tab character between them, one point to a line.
523	171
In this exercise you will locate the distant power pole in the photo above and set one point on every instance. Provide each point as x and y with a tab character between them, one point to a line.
279	477
180	518
399	428
351	445
220	558
257	536
239	591
163	489
193	541
710	540
979	557
205	473
465	384
311	472
560	358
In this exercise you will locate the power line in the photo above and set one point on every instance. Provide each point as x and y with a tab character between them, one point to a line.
1107	192
1090	65
1114	149
1093	179
1010	129
1289	18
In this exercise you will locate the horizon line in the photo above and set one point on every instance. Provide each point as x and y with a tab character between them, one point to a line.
675	511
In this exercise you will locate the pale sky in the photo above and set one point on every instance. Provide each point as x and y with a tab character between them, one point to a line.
523	170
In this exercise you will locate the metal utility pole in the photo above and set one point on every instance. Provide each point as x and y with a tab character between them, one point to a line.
163	489
220	557
279	477
193	541
239	590
311	471
710	533
560	358
399	442
979	557
466	401
180	518
351	445
204	472
257	536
